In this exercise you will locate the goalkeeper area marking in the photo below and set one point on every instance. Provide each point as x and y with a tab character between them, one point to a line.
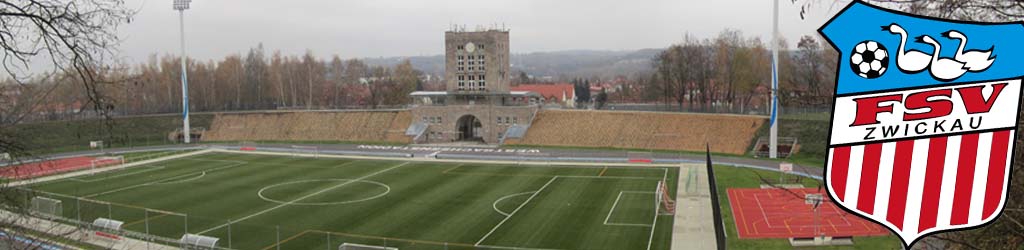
253	200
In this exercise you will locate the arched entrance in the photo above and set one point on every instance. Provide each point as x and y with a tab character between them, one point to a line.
469	128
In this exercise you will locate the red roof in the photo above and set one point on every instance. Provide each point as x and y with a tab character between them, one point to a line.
549	90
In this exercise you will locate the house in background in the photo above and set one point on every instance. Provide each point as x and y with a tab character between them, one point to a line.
562	94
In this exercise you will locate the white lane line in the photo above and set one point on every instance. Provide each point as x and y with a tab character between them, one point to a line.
302	198
514	211
157	181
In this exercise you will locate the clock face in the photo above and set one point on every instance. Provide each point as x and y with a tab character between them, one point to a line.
470	47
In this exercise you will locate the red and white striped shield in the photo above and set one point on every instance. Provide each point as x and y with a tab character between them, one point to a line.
923	123
920	186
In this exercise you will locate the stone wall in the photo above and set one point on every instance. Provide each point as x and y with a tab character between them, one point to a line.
353	126
731	134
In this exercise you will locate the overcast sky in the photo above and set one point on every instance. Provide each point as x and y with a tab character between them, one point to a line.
374	28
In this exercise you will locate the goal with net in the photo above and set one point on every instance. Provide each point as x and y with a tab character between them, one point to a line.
47	206
99	162
300	150
353	246
667	205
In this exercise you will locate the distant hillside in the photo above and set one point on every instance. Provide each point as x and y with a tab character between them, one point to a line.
569	63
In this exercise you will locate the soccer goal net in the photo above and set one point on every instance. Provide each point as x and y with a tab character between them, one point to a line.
106	161
353	246
299	150
666	204
47	206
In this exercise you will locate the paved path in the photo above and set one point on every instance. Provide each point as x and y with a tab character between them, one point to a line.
694	220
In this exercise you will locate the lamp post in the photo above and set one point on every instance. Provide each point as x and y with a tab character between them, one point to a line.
181	6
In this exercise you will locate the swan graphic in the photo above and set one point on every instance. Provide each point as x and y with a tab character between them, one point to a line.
910	61
942	68
974	60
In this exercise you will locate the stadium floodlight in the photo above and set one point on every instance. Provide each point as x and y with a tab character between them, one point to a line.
773	123
181	6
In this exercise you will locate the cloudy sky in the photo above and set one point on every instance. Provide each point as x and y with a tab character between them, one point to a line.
375	28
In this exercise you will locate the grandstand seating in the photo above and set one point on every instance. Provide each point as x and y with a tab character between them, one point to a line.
730	134
355	126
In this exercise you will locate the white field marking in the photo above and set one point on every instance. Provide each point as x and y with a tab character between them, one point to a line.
230	161
760	207
516	248
616	203
156	181
200	176
609	177
301	198
495	204
153	168
62	177
279	164
387	189
642	166
516	210
654	224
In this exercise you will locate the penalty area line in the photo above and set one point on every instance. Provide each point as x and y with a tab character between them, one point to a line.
302	198
516	210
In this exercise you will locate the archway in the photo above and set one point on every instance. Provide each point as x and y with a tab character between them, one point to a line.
469	128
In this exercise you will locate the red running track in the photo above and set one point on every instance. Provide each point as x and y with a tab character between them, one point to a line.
775	213
44	168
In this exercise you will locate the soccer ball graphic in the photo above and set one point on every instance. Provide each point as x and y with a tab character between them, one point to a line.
869	59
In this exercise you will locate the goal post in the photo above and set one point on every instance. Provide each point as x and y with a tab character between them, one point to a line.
104	161
299	150
47	206
666	204
354	246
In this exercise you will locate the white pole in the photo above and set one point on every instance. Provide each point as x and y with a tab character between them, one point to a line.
145	219
184	79
773	122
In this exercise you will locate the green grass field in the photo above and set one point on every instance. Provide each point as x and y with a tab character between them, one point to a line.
255	201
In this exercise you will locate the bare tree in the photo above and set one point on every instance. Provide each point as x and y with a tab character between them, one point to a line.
256	76
76	38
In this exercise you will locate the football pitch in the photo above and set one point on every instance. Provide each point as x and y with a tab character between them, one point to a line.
253	201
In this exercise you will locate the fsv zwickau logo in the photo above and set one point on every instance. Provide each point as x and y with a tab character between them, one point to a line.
923	120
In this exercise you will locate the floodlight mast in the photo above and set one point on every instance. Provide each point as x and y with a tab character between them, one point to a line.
773	122
181	6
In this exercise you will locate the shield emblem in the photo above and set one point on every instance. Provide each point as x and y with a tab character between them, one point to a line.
923	119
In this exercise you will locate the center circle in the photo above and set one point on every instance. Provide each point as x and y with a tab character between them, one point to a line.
364	190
